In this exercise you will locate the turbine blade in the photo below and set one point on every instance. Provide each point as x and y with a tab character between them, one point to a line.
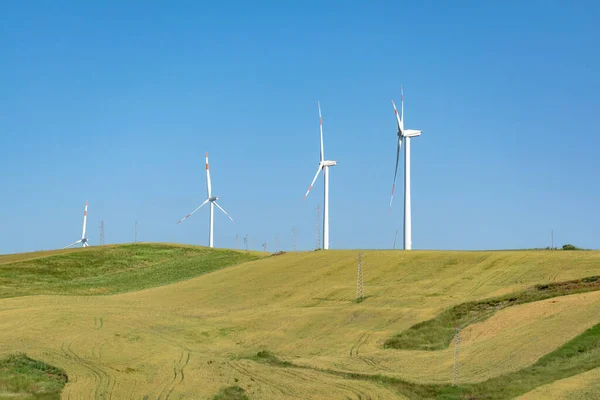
398	119
190	214
402	101
222	209
396	170
72	244
208	185
321	130
84	220
313	181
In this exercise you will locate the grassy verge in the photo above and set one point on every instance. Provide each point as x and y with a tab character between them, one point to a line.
437	333
24	378
113	269
231	393
575	357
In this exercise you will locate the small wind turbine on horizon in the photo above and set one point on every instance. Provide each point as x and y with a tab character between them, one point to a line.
83	240
213	202
323	165
404	134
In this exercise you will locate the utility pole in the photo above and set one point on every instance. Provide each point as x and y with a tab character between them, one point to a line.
360	288
455	372
395	237
318	228
101	232
265	246
294	238
136	232
277	243
246	242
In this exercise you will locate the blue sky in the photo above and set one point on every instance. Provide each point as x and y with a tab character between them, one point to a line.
116	103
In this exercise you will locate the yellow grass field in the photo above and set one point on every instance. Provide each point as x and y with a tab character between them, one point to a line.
191	338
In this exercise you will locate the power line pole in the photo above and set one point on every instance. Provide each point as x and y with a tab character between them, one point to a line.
277	243
246	242
101	232
455	372
294	236
265	246
395	237
360	288
318	228
136	232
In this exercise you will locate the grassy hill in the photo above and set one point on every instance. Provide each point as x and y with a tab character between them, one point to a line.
197	337
109	269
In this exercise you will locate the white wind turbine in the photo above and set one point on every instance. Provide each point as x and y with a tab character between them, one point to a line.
323	165
83	240
404	134
213	202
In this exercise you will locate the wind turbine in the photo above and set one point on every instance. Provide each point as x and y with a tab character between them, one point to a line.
404	134
213	202
323	165
83	240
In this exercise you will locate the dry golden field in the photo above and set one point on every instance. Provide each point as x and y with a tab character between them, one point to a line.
190	338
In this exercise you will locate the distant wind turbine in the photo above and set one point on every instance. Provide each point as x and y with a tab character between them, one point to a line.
323	165
83	240
213	202
404	134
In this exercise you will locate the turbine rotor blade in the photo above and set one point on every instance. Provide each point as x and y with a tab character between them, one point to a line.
396	170
222	209
321	130
313	181
72	244
190	214
208	185
398	120
84	220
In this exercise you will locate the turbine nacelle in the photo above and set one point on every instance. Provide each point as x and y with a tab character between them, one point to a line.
411	133
328	163
213	198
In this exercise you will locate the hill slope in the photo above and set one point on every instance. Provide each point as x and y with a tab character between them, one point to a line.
109	269
192	338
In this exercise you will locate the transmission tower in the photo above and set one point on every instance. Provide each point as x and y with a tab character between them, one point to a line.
265	246
294	236
277	243
455	373
360	288
101	232
246	242
395	237
136	232
318	228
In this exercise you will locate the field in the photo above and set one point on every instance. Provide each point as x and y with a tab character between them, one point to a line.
165	321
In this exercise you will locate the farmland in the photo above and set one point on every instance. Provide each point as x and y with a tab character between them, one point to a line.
171	321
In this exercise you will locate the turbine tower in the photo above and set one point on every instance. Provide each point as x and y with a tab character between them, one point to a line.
404	135
213	202
83	240
323	165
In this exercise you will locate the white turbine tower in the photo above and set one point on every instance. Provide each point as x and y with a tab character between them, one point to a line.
404	134
213	202
323	165
83	240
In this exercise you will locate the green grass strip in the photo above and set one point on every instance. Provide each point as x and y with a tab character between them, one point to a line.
231	393
437	333
24	378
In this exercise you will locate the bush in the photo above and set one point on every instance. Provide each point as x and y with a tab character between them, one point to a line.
570	247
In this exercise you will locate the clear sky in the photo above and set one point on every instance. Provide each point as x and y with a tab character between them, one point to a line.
116	103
